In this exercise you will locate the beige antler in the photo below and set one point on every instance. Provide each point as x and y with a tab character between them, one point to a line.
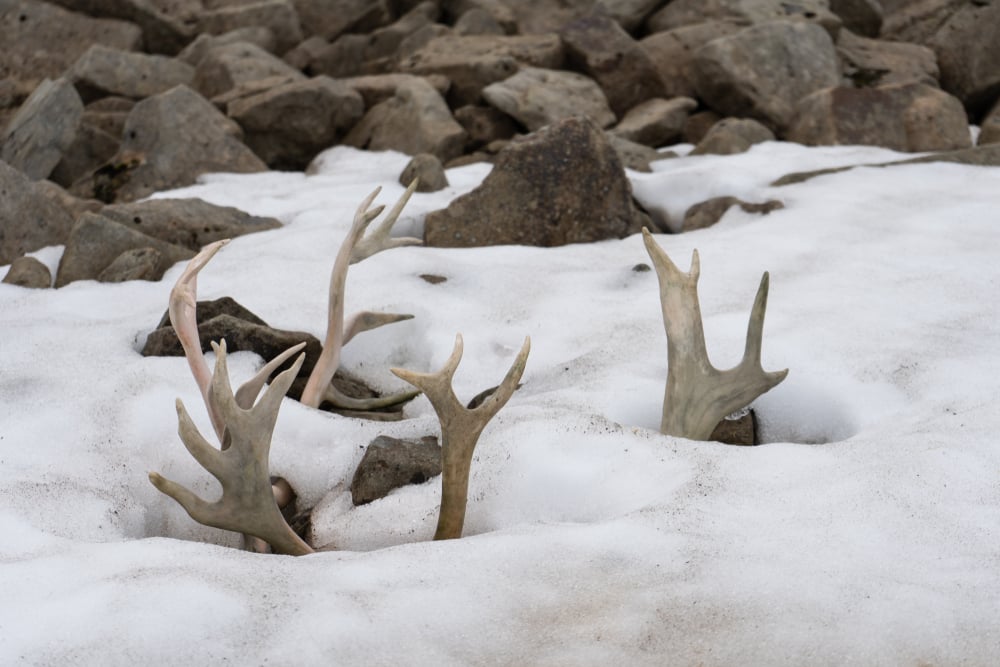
354	249
247	504
460	430
698	396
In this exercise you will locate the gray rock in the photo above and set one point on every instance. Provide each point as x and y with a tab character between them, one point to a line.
414	120
288	125
562	184
917	21
630	14
109	114
389	463
910	117
331	18
29	219
499	10
861	16
384	42
28	272
102	71
204	312
95	242
968	52
41	131
190	223
536	97
258	35
166	25
698	124
599	47
72	205
672	53
484	124
478	21
746	12
134	264
878	62
656	122
732	135
343	58
428	169
632	155
225	67
305	53
763	71
707	213
91	148
375	88
989	131
278	15
169	140
472	63
252	88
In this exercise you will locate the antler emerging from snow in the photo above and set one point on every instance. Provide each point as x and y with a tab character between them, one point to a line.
698	395
354	249
247	504
460	430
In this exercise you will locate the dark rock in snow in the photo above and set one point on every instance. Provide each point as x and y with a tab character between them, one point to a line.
390	463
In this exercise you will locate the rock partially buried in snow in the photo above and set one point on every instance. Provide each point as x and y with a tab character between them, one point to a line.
428	171
29	219
28	272
390	463
732	135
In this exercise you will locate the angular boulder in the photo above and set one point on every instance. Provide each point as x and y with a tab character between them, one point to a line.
989	131
863	17
732	135
331	18
880	62
226	67
672	53
134	264
536	97
43	129
91	148
656	122
278	15
968	52
29	219
257	35
918	21
103	71
562	184
28	272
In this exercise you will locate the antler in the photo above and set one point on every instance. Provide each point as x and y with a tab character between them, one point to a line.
698	395
247	504
460	430
354	249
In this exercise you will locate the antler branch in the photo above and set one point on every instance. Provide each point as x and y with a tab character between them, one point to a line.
247	504
460	430
697	394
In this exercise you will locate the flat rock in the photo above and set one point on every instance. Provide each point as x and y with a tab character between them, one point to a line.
95	242
389	463
169	140
279	16
428	171
225	67
763	71
103	71
879	62
562	184
43	129
672	53
536	97
707	213
375	88
29	219
656	122
28	272
732	135
968	52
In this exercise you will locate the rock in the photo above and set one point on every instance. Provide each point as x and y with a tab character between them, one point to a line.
384	42
968	52
226	67
288	125
41	40
707	213
91	148
73	206
331	18
29	220
732	135
278	15
656	122
343	58
305	53
428	169
599	47
672	53
102	71
989	131
917	21
42	129
108	114
746	12
190	223
414	120
910	117
421	38
390	463
879	62
204	312
95	242
258	35
484	125
632	155
251	88
698	124
166	26
375	88
630	14
763	71
861	16
472	63
134	264
536	97
28	272
169	140
478	21
562	184
741	430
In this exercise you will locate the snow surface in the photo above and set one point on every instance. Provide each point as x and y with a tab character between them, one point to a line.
866	532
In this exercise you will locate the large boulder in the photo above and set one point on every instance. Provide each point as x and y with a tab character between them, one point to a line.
968	51
29	220
103	71
289	124
672	53
228	66
879	62
909	117
43	129
536	97
562	184
764	70
170	139
746	12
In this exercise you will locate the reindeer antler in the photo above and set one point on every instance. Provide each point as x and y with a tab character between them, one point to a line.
247	504
698	395
460	430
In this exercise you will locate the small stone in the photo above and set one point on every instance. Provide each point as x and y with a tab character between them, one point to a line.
428	170
389	463
28	272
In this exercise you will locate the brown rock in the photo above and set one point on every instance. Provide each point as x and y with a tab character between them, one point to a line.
484	125
879	62
732	135
43	129
478	21
678	13
917	20
672	53
562	184
428	171
740	431
278	15
861	16
102	71
989	131
390	463
707	213
656	122
91	148
29	219
258	35
134	264
331	18
384	42
536	97
226	67
28	272
632	155
375	88
968	51
698	124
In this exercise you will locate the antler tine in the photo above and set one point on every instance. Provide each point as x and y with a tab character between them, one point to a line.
367	320
698	395
247	393
460	431
379	239
247	504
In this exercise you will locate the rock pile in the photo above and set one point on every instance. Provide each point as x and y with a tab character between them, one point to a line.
116	99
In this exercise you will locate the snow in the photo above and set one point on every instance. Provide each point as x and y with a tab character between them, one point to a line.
867	530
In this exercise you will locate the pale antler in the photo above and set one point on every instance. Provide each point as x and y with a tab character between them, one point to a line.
247	504
354	249
698	395
460	430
